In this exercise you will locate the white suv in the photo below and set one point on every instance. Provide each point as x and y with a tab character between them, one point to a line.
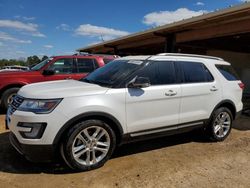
131	98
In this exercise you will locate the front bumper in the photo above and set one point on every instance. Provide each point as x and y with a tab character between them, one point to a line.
34	153
54	122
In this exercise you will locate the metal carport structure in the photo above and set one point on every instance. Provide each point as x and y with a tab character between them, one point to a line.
223	33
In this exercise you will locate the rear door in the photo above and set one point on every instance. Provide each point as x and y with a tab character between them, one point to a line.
200	92
156	107
85	66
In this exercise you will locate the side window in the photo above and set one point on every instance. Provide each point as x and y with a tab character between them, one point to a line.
209	76
62	66
85	65
159	73
228	72
150	72
166	72
195	72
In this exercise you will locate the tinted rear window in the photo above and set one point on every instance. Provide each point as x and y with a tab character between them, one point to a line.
228	72
195	72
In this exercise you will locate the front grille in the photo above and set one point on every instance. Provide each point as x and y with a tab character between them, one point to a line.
16	102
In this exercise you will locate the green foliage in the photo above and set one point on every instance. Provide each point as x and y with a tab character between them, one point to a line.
33	60
5	62
30	61
44	57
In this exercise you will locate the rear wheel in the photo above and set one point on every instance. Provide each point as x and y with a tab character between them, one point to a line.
7	97
88	145
220	124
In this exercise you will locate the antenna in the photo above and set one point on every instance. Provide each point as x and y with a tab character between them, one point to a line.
102	38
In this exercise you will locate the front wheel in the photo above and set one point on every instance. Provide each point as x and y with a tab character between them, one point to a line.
220	124
7	97
88	145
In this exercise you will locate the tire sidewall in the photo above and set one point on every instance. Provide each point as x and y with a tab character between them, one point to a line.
70	137
6	94
213	136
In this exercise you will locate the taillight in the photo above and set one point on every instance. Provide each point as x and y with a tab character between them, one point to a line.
242	86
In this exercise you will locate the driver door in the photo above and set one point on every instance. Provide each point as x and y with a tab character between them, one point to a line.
155	107
64	69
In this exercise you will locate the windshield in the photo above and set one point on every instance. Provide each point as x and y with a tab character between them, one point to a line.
113	72
40	65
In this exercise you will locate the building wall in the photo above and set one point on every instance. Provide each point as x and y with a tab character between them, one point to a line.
240	62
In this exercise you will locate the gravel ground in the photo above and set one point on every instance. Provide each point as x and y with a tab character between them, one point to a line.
184	160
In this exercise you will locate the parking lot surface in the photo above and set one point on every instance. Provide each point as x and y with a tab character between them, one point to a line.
184	160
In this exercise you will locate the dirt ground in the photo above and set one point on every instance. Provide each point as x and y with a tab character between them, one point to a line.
184	160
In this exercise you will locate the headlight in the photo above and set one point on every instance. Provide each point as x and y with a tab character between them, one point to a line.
39	106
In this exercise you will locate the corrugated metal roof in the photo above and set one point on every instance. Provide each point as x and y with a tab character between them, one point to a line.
176	26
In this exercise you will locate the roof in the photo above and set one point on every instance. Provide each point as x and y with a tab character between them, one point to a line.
190	55
174	56
108	56
141	57
225	16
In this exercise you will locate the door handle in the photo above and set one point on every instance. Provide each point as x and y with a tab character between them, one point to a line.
214	89
170	93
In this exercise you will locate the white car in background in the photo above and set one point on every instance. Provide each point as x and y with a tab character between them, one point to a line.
14	68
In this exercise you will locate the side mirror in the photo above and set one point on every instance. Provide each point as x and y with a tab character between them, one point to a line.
48	72
139	82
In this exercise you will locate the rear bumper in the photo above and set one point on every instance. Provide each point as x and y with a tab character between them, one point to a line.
34	153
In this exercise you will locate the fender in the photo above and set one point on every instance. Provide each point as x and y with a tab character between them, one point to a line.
86	115
223	102
9	85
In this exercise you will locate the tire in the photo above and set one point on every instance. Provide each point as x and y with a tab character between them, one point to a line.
220	124
83	139
7	94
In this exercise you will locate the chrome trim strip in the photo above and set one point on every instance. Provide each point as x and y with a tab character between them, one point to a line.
24	129
153	131
190	124
165	129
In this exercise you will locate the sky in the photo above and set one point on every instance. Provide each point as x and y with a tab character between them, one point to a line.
57	27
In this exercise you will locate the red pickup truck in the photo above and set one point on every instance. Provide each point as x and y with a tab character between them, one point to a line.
54	68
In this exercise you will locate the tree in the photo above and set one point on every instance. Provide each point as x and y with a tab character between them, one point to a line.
33	60
30	61
5	62
44	57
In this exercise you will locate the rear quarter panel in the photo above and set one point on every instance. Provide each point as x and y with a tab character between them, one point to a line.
231	89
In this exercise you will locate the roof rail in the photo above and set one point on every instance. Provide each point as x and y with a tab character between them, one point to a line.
191	55
87	54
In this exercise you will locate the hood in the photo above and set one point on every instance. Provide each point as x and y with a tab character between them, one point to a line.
60	89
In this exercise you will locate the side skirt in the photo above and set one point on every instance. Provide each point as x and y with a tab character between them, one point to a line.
163	131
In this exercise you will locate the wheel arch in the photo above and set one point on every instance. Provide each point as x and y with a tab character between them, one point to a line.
228	104
2	90
107	118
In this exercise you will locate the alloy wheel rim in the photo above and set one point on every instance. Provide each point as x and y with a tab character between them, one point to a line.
222	124
10	98
91	145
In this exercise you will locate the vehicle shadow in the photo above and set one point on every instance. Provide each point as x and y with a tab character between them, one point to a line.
12	162
2	111
243	123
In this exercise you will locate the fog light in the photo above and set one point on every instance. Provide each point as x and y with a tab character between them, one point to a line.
31	130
